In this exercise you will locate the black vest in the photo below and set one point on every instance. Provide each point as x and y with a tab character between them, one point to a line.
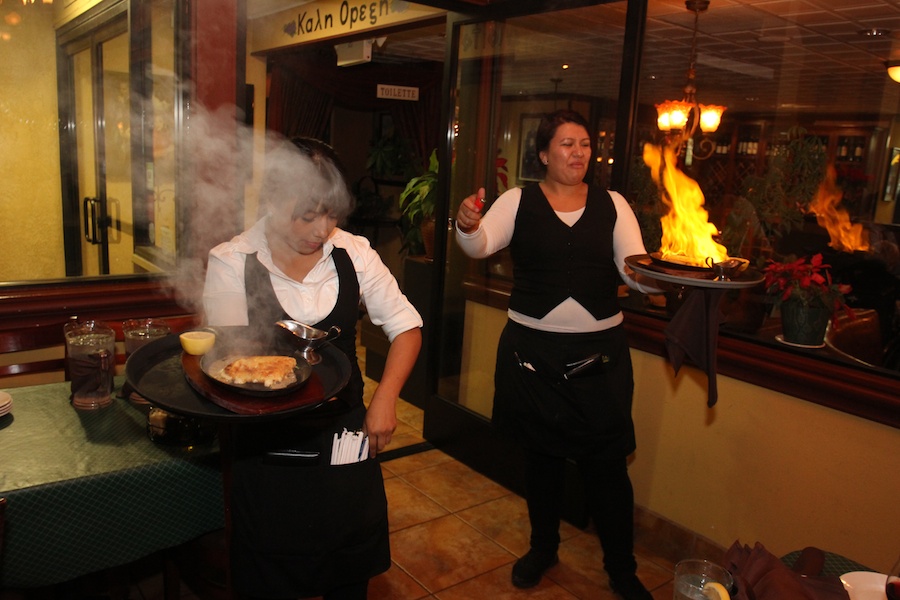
263	309
552	261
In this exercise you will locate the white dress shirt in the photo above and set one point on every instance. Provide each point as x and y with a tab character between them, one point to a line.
225	298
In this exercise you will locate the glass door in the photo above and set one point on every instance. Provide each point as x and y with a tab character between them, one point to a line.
101	131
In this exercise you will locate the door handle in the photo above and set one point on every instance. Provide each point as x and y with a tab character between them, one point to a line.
95	221
89	213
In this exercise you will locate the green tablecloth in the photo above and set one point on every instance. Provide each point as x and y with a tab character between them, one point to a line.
88	490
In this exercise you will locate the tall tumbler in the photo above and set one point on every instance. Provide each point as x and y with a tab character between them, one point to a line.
91	361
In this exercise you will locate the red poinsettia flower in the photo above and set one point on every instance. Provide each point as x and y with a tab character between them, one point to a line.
807	281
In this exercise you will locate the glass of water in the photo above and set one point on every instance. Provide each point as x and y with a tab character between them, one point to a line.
138	332
692	574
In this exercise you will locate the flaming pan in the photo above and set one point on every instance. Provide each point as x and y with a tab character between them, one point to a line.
175	382
701	277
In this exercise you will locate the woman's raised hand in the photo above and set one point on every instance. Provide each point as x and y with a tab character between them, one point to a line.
469	213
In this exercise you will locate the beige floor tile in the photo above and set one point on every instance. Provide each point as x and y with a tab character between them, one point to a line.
415	462
496	585
505	520
403	438
445	552
653	575
407	506
411	415
395	584
455	486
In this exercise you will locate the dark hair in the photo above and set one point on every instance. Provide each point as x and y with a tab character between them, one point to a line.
309	173
550	123
319	151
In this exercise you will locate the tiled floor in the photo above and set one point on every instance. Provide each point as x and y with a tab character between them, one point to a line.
455	535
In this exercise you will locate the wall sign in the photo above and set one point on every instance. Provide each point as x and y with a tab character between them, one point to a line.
397	92
324	19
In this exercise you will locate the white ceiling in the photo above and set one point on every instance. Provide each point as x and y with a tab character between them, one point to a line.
753	55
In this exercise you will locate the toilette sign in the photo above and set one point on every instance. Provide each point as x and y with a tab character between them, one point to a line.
397	92
324	19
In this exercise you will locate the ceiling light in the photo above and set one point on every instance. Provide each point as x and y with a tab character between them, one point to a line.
893	69
685	116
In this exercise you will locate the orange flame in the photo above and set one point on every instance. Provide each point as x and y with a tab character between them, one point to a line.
845	236
687	234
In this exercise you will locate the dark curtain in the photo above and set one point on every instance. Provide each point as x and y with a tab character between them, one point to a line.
306	85
295	108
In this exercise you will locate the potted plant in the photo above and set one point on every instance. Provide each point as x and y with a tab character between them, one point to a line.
417	204
808	298
773	203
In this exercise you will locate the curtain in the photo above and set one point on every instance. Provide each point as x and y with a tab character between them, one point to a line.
306	86
295	108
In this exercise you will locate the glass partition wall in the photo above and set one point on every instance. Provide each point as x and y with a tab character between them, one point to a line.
509	73
809	107
88	115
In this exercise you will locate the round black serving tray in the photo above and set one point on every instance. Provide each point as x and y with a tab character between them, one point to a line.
155	372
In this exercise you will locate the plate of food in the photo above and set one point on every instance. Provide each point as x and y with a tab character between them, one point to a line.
257	374
864	585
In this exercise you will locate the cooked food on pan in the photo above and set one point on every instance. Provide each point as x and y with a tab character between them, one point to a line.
271	371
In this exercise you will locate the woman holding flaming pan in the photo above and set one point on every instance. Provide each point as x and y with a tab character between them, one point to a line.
302	526
563	381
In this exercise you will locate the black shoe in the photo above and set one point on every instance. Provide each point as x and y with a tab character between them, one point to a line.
629	587
529	569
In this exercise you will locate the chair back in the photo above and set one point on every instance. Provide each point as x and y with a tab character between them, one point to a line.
37	354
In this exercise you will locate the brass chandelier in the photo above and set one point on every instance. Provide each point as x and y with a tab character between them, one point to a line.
680	119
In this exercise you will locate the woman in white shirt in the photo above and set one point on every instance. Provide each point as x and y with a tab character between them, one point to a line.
563	381
303	527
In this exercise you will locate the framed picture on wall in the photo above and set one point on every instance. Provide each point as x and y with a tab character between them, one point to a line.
892	189
528	156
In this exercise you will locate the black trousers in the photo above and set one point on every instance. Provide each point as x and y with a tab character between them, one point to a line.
610	501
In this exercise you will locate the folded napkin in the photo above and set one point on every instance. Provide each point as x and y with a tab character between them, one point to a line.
762	576
694	332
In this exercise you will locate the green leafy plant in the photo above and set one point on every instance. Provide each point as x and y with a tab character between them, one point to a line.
780	196
390	156
417	204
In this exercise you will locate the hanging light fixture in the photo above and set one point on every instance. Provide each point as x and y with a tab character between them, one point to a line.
685	116
893	69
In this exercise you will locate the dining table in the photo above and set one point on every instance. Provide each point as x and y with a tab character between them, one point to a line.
88	490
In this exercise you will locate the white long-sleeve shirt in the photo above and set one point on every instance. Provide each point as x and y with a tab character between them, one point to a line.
495	231
225	297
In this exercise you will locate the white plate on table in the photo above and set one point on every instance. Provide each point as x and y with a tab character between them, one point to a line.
864	585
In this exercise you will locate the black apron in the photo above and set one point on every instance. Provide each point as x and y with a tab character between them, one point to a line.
301	526
587	414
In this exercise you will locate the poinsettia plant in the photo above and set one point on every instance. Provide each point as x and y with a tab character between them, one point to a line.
808	281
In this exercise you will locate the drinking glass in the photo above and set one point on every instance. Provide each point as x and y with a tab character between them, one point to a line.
692	574
139	332
91	362
892	584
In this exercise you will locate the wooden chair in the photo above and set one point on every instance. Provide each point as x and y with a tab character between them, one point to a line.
38	349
